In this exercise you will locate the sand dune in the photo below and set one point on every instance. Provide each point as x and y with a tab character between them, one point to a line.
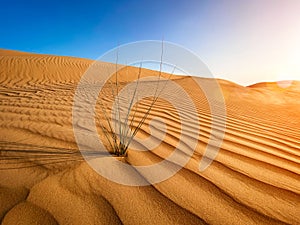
255	178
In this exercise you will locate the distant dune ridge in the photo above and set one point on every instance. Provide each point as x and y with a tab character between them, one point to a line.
255	178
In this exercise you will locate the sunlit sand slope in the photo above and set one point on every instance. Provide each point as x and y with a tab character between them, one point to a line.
255	178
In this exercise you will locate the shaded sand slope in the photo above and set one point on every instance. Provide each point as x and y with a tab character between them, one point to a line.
255	178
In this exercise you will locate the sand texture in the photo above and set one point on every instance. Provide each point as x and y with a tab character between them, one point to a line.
255	178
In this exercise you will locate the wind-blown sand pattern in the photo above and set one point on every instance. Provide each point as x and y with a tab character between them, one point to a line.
255	178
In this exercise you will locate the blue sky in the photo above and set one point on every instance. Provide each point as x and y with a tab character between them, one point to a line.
245	41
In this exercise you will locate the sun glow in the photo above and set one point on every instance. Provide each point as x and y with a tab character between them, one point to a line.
291	70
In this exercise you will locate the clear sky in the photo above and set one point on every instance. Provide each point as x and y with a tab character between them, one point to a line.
244	41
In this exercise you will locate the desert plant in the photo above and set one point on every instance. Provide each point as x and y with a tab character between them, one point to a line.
120	134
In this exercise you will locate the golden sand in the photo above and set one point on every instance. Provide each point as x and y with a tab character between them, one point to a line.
255	178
